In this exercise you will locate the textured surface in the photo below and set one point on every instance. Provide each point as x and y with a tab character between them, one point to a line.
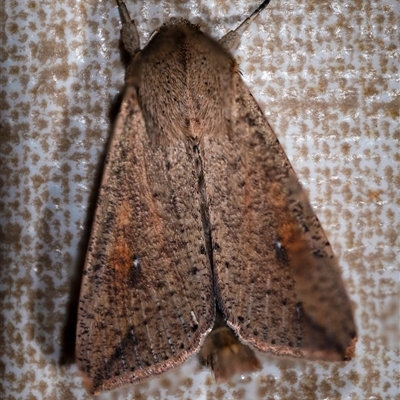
326	75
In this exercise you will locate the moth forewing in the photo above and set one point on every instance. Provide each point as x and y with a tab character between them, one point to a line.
146	299
277	283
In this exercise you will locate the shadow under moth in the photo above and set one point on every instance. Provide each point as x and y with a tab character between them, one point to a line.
203	240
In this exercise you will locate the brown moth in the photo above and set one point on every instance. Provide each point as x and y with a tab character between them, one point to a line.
200	214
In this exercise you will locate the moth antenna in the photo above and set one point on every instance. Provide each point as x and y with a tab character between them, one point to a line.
231	40
245	24
130	36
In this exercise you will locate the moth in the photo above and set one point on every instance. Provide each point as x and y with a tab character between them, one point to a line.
200	217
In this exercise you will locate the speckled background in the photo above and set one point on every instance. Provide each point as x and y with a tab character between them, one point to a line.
327	76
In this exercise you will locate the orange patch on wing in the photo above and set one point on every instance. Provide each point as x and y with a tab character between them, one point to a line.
121	257
297	248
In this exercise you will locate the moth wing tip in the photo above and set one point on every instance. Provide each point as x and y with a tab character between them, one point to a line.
331	355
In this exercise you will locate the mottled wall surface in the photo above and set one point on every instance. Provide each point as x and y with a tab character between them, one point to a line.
327	76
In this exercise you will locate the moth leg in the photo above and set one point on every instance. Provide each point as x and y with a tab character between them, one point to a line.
130	36
231	40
